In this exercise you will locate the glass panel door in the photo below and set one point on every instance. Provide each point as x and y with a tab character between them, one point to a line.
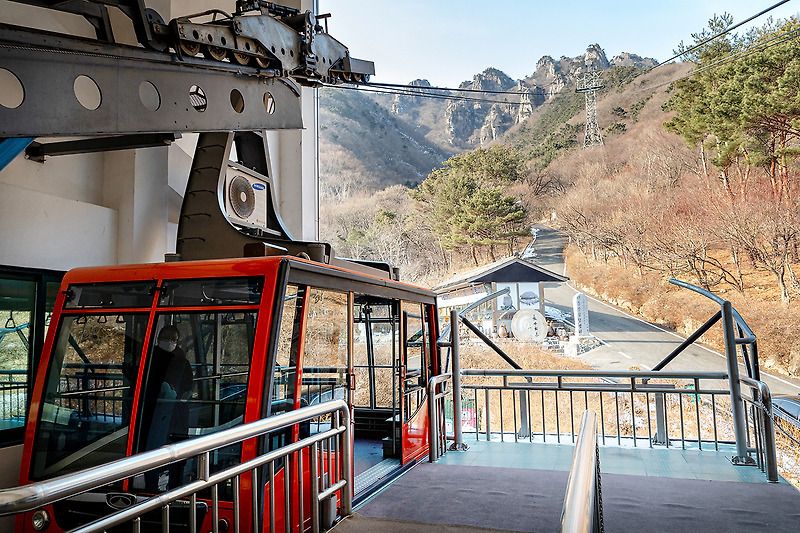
414	373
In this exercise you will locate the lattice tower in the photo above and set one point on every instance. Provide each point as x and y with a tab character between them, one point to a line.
589	85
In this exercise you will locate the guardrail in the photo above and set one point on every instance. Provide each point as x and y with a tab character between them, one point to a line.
762	431
436	411
626	402
672	409
327	477
583	502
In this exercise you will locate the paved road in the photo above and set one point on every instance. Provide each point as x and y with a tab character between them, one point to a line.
628	340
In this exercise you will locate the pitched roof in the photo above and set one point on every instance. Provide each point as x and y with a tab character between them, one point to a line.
507	270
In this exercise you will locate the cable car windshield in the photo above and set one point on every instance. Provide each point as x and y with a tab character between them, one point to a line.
192	379
89	392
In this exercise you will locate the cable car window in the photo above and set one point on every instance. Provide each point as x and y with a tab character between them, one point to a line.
285	373
415	359
195	383
325	369
17	305
110	295
209	292
88	395
375	347
286	356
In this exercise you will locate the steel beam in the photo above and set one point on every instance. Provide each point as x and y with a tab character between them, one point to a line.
76	87
39	151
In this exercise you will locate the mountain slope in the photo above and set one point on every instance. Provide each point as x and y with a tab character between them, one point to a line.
370	141
364	146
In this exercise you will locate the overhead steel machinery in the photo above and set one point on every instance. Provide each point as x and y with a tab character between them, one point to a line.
228	76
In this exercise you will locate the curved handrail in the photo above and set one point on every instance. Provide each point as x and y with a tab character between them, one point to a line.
472	306
710	295
433	414
764	398
582	505
29	497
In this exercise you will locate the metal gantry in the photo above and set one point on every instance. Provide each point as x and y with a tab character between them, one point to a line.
589	85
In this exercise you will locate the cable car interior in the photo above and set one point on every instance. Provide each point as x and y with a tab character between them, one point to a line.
166	353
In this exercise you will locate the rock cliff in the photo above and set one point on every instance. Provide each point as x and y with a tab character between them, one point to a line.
471	123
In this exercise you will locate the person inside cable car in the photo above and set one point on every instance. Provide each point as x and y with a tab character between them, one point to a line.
165	417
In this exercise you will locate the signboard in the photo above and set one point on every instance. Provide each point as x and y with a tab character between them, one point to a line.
510	301
580	310
529	295
529	325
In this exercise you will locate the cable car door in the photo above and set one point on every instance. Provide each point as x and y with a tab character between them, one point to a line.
414	379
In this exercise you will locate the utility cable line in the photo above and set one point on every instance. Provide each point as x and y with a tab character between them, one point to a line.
367	88
428	92
720	34
708	40
416	88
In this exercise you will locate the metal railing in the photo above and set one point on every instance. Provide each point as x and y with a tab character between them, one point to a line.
761	434
13	396
672	409
330	475
583	502
437	395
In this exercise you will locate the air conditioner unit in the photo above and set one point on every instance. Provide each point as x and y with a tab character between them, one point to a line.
245	196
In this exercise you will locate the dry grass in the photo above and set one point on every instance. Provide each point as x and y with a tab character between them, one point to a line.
787	439
622	414
652	297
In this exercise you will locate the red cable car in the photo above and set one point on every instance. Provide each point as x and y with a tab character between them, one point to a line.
146	355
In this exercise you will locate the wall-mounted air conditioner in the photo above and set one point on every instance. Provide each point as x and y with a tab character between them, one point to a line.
245	197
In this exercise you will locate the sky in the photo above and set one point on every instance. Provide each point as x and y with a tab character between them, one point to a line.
449	42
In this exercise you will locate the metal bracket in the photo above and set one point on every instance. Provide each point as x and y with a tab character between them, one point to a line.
39	151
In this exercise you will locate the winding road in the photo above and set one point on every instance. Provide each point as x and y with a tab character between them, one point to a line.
628	340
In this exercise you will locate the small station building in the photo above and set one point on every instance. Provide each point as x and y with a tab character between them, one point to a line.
525	280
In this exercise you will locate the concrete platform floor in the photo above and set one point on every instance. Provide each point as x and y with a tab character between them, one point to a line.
520	487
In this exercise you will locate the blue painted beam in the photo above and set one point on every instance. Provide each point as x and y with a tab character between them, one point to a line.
11	148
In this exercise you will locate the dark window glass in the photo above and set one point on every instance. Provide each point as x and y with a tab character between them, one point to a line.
110	295
16	311
286	356
88	394
195	383
325	352
285	373
415	359
26	304
208	292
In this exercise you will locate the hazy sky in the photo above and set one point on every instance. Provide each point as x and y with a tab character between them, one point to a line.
448	42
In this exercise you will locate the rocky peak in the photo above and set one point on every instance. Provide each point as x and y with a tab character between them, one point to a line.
420	83
626	59
595	58
404	103
490	79
545	67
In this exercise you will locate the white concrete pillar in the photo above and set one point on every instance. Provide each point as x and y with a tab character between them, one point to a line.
295	161
136	186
